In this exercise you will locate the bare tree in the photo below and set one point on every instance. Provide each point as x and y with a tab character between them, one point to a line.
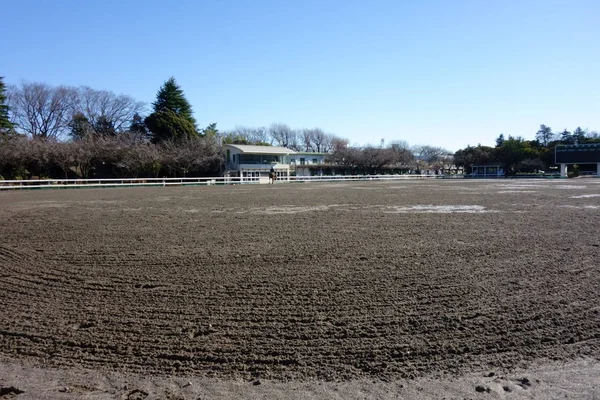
63	155
13	154
431	156
306	139
344	155
137	158
282	135
327	143
40	110
374	158
84	154
319	139
247	135
401	154
315	140
254	135
196	154
592	135
102	107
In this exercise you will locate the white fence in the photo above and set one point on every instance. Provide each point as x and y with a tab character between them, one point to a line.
132	182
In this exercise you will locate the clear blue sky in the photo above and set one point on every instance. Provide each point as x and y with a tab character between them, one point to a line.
440	72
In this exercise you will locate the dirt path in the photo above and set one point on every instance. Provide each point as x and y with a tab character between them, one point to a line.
346	282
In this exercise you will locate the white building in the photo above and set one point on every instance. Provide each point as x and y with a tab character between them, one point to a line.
253	163
304	162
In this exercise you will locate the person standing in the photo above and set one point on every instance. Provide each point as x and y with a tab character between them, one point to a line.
272	175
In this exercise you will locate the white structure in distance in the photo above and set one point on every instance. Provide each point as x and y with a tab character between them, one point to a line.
253	163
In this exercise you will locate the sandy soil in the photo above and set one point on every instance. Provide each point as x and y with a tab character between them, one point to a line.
307	289
573	380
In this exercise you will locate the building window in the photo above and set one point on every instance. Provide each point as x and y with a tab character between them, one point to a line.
259	159
302	161
315	161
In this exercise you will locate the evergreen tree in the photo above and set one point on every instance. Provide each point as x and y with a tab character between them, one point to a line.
171	97
80	127
104	126
566	137
5	125
579	135
544	135
138	126
167	125
172	117
211	130
500	140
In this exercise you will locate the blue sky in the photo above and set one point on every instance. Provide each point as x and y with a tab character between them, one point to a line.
441	72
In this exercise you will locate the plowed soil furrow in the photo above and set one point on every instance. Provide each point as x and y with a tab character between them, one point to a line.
302	281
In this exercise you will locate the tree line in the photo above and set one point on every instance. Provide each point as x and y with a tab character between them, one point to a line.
517	155
280	134
80	132
68	132
120	156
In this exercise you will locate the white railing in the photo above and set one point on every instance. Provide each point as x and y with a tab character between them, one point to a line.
340	178
132	182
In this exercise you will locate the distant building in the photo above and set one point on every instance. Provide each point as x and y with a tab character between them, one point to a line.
253	163
487	171
307	163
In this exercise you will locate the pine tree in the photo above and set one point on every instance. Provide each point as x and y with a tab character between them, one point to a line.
172	117
544	135
5	125
167	125
500	140
579	135
566	137
211	130
171	97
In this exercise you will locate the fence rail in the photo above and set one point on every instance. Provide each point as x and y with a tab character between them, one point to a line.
194	181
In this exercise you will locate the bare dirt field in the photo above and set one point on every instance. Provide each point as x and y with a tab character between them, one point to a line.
301	284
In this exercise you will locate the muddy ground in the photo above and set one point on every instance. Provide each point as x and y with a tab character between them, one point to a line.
302	282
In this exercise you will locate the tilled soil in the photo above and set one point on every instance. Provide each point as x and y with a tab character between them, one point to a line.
381	280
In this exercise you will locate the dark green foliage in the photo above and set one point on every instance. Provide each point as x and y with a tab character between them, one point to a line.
500	140
517	154
172	117
80	127
104	126
579	135
167	125
544	135
574	171
211	130
566	137
171	97
138	126
5	125
470	155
